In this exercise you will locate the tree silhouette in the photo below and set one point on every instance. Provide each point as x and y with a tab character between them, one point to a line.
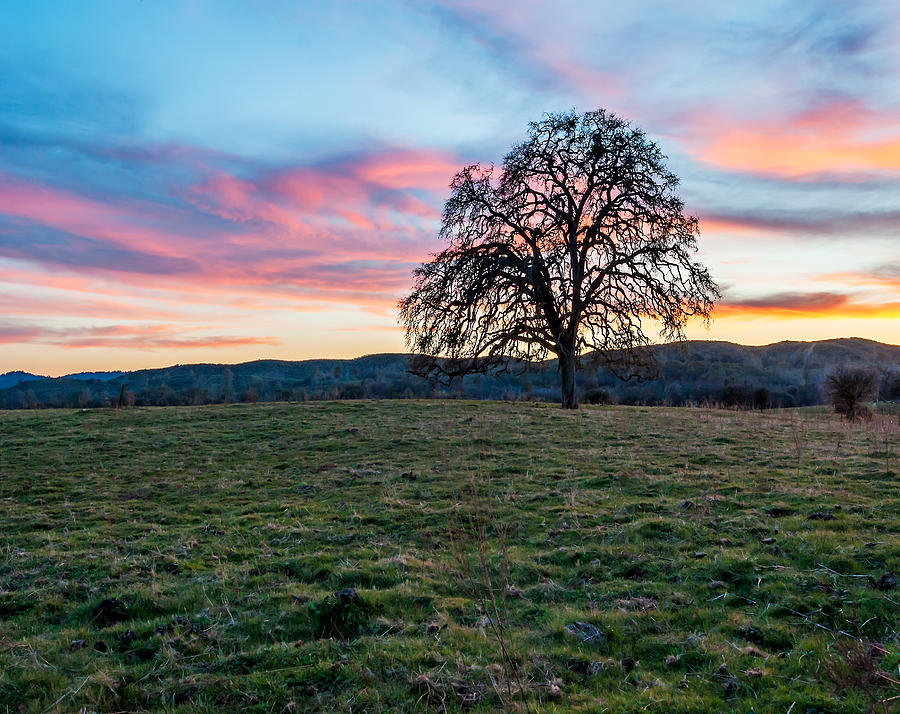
848	389
574	246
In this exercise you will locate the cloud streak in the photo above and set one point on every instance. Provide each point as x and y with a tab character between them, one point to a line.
792	305
842	137
811	221
347	230
145	337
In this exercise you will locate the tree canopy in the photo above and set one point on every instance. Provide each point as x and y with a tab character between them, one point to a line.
578	244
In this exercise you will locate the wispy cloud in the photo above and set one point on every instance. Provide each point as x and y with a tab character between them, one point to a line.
791	305
347	230
840	137
145	337
885	275
850	222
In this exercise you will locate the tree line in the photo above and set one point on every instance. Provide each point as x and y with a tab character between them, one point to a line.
781	375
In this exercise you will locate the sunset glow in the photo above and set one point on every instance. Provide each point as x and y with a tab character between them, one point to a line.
224	181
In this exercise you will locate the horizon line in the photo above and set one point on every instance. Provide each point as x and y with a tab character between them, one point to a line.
376	354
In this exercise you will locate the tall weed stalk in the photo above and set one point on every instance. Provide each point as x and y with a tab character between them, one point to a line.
479	547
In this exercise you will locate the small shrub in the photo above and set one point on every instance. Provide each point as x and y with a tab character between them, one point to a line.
889	389
774	638
761	398
109	612
12	605
848	389
854	666
596	396
345	614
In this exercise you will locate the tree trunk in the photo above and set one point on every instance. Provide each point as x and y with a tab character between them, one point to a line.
567	378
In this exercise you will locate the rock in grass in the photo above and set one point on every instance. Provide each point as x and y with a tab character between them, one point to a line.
693	640
886	581
599	666
585	632
513	591
637	603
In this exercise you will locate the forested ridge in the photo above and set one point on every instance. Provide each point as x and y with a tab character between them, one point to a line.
784	374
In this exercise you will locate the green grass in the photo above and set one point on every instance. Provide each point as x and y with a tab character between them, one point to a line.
223	532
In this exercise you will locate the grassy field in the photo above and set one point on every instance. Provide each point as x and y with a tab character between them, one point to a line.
187	558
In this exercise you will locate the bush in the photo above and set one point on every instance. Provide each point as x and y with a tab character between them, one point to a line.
734	395
761	398
889	389
848	390
596	396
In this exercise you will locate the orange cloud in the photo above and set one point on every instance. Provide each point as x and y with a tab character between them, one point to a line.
790	305
841	137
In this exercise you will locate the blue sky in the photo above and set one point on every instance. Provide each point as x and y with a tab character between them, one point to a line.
221	181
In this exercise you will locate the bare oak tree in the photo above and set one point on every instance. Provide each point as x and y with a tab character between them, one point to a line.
575	246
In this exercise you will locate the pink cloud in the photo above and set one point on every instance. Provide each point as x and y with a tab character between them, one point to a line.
409	169
817	222
77	306
349	231
124	225
145	337
880	276
249	243
371	208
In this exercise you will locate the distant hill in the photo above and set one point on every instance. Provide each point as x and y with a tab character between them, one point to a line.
11	379
101	376
791	373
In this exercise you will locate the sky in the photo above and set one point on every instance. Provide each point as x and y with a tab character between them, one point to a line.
222	181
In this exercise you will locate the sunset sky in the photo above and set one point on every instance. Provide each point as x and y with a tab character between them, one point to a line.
218	181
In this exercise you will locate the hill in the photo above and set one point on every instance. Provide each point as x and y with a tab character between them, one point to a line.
791	373
311	558
10	379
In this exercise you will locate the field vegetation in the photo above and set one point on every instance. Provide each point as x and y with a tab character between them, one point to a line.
374	556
